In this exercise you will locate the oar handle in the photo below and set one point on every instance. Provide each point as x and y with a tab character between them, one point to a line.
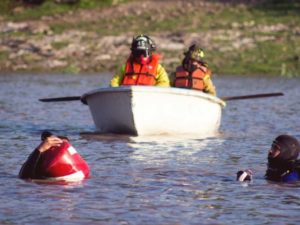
264	95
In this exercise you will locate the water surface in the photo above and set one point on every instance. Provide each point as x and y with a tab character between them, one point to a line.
157	180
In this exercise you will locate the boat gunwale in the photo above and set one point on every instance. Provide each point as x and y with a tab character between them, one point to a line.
154	89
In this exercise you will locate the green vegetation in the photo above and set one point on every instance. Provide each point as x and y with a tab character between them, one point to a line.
16	10
71	69
245	38
277	58
60	44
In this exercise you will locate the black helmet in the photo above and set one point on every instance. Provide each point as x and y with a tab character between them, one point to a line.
141	48
289	147
143	42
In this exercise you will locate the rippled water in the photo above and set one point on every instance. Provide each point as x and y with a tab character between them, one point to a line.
157	180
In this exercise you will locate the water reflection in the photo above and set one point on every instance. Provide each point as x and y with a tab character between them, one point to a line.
165	180
180	149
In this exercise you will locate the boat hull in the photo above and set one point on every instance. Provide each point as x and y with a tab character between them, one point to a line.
144	110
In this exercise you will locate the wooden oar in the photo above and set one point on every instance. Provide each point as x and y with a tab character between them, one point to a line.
265	95
76	98
60	99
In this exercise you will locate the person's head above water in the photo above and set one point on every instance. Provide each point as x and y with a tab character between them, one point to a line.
284	148
283	163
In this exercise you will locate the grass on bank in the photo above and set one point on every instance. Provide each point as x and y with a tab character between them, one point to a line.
270	59
279	56
17	11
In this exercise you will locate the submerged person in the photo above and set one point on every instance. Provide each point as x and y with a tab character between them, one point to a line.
283	163
55	159
194	73
142	66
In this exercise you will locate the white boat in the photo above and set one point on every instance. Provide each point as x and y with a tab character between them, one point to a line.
148	110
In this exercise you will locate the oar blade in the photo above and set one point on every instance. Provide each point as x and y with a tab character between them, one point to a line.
264	95
60	99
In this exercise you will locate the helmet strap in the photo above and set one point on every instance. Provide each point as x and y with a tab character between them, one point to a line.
144	60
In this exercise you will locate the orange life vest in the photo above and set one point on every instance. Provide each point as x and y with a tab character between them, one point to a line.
138	74
194	80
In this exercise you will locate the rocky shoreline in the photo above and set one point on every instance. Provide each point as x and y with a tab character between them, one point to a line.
34	46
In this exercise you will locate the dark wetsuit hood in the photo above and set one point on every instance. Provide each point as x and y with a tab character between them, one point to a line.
286	161
289	147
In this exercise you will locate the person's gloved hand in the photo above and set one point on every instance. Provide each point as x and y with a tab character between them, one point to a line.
244	175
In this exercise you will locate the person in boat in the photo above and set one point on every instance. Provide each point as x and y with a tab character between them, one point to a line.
283	162
194	73
142	66
54	158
